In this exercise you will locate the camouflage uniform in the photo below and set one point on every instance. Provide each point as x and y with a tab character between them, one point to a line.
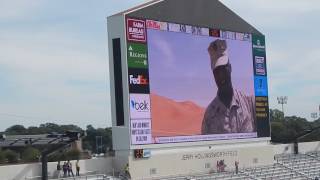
239	118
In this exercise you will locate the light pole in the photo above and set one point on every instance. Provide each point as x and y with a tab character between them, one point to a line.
282	100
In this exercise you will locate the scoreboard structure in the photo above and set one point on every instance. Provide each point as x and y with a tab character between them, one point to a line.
163	88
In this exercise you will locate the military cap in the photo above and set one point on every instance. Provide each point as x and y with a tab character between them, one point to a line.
218	52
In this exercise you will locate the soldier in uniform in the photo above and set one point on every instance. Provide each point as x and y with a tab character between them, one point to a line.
231	111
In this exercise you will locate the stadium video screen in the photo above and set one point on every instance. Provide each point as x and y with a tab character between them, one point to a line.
189	83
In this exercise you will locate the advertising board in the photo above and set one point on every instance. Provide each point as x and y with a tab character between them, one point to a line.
190	83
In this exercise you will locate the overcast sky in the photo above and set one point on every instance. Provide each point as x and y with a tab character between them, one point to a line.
54	58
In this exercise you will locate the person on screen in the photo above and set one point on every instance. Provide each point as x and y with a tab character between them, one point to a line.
231	111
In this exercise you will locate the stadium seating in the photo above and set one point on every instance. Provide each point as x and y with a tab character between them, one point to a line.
286	167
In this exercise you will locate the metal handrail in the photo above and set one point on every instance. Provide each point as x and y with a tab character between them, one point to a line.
82	177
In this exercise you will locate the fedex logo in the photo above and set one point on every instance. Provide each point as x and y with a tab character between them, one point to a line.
140	80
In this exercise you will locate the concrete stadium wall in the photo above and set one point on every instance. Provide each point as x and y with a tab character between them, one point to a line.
194	160
303	147
25	171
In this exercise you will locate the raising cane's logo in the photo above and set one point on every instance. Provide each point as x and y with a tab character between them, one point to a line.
136	30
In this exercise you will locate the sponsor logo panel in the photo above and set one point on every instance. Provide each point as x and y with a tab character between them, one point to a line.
205	31
228	35
139	106
260	86
164	26
247	37
157	25
262	116
153	24
258	44
174	27
214	32
260	65
240	36
138	81
136	30
137	55
141	131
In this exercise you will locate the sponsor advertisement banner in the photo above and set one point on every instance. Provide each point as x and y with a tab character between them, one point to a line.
185	29
141	131
260	86
172	85
136	30
174	27
262	116
258	44
153	24
138	80
140	106
228	35
205	137
260	65
247	37
157	25
137	55
214	32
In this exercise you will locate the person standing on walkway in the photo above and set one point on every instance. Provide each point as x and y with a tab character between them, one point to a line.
77	168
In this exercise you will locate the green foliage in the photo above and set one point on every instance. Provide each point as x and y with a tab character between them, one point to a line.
16	130
2	156
89	142
73	154
30	154
42	129
287	129
11	156
276	115
93	137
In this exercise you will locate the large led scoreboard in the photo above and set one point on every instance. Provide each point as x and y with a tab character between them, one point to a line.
171	83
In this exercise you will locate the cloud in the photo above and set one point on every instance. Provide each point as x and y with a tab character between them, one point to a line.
17	9
53	76
273	13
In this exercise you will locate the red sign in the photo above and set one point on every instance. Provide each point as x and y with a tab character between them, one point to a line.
214	32
136	30
153	24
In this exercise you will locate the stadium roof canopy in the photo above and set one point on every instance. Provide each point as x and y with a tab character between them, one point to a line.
34	140
204	13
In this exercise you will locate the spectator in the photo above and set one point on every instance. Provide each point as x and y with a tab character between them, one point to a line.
65	169
127	171
58	169
77	168
69	167
236	163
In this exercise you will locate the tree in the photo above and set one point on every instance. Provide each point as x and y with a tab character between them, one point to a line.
278	131
89	142
30	154
73	154
16	130
276	115
11	156
2	156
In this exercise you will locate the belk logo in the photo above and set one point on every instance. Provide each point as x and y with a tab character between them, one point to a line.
138	80
140	106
